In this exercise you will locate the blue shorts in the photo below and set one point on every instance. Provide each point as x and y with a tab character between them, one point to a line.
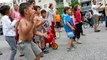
70	34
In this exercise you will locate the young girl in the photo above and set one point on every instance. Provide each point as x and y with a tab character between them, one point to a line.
73	20
78	23
51	18
8	28
16	13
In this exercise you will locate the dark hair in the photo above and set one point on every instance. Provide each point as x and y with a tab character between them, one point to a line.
43	11
22	7
36	7
4	9
31	1
66	8
50	5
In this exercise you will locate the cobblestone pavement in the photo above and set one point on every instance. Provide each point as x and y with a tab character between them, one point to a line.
94	47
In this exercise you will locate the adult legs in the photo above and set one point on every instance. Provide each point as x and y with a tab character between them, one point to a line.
96	19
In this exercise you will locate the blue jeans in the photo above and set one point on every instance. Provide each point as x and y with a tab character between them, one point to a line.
90	20
12	43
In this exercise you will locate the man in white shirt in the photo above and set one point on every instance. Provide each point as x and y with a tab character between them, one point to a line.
96	14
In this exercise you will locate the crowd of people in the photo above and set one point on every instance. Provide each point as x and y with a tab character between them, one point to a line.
25	27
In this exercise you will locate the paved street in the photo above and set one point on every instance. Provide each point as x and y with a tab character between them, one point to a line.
94	47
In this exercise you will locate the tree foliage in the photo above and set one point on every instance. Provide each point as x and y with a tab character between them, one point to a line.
60	10
74	2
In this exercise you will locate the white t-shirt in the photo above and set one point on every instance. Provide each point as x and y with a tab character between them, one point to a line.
50	16
8	26
95	11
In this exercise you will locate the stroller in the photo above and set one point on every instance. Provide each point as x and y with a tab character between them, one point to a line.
51	36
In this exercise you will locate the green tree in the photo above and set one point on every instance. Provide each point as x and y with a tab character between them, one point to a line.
74	2
60	10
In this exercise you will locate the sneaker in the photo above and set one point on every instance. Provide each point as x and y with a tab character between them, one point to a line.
79	42
68	49
1	53
45	51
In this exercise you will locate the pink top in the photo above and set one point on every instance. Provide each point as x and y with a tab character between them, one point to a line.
73	18
16	15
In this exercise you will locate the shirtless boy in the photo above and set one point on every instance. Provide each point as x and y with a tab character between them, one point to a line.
26	28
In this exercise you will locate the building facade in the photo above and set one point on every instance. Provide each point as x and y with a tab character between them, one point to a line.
45	4
63	3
